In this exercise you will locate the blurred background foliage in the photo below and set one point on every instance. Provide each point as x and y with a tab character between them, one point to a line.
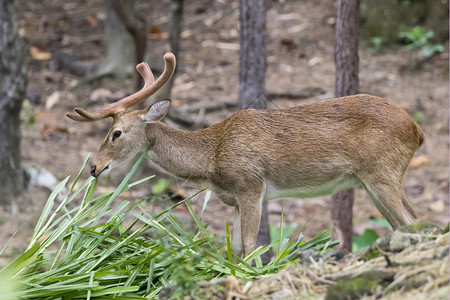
424	24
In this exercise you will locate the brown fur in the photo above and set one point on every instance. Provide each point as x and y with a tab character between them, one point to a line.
305	151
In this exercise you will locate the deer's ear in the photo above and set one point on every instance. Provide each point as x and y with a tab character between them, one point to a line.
156	112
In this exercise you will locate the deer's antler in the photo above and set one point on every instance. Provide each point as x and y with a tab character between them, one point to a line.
150	87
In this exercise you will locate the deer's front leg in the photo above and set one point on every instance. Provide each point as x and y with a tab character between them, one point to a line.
250	217
236	240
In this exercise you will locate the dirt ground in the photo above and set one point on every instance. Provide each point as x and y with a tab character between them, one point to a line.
300	57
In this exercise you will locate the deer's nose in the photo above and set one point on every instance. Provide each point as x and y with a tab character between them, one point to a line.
93	170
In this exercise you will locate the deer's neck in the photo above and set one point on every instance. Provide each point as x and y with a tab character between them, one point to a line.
186	154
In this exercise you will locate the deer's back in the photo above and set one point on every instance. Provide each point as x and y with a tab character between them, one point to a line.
330	137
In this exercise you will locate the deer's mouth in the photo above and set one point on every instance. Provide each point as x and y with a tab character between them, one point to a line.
100	172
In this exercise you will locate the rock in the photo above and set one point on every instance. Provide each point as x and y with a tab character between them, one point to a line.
382	243
399	241
356	287
305	256
422	227
42	177
336	253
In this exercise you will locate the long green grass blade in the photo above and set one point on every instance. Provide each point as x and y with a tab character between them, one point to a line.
123	185
80	172
17	265
281	225
40	227
229	253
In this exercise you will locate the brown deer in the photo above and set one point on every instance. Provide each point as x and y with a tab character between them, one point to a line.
257	155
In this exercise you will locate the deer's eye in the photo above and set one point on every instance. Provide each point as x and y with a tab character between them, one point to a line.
116	134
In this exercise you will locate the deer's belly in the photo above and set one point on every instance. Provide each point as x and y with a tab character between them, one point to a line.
303	190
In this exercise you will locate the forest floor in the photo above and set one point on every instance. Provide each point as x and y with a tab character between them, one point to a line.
300	61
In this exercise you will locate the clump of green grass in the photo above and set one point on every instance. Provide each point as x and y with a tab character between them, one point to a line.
86	251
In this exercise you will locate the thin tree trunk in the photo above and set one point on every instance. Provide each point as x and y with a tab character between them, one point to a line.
136	26
252	54
120	51
13	81
347	83
252	77
346	48
175	21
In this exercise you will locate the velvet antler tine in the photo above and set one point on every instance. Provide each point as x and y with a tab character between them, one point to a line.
149	90
76	117
107	111
146	73
81	115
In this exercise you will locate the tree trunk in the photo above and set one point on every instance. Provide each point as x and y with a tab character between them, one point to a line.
136	26
252	54
252	76
120	51
175	21
346	48
347	83
13	83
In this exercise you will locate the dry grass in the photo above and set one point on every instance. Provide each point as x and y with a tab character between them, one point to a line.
420	271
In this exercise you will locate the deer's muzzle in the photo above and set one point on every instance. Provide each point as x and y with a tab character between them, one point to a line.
93	171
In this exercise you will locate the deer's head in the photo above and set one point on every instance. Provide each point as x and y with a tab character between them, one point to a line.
127	135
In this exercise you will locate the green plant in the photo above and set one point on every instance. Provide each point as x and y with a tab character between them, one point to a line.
418	38
382	222
85	250
419	116
278	233
160	186
365	240
369	236
377	44
27	114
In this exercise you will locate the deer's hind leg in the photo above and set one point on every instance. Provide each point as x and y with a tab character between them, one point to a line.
389	197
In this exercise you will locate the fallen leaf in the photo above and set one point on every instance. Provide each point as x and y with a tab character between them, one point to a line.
315	61
289	44
186	34
157	33
92	20
52	100
437	206
419	161
39	52
155	30
48	129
